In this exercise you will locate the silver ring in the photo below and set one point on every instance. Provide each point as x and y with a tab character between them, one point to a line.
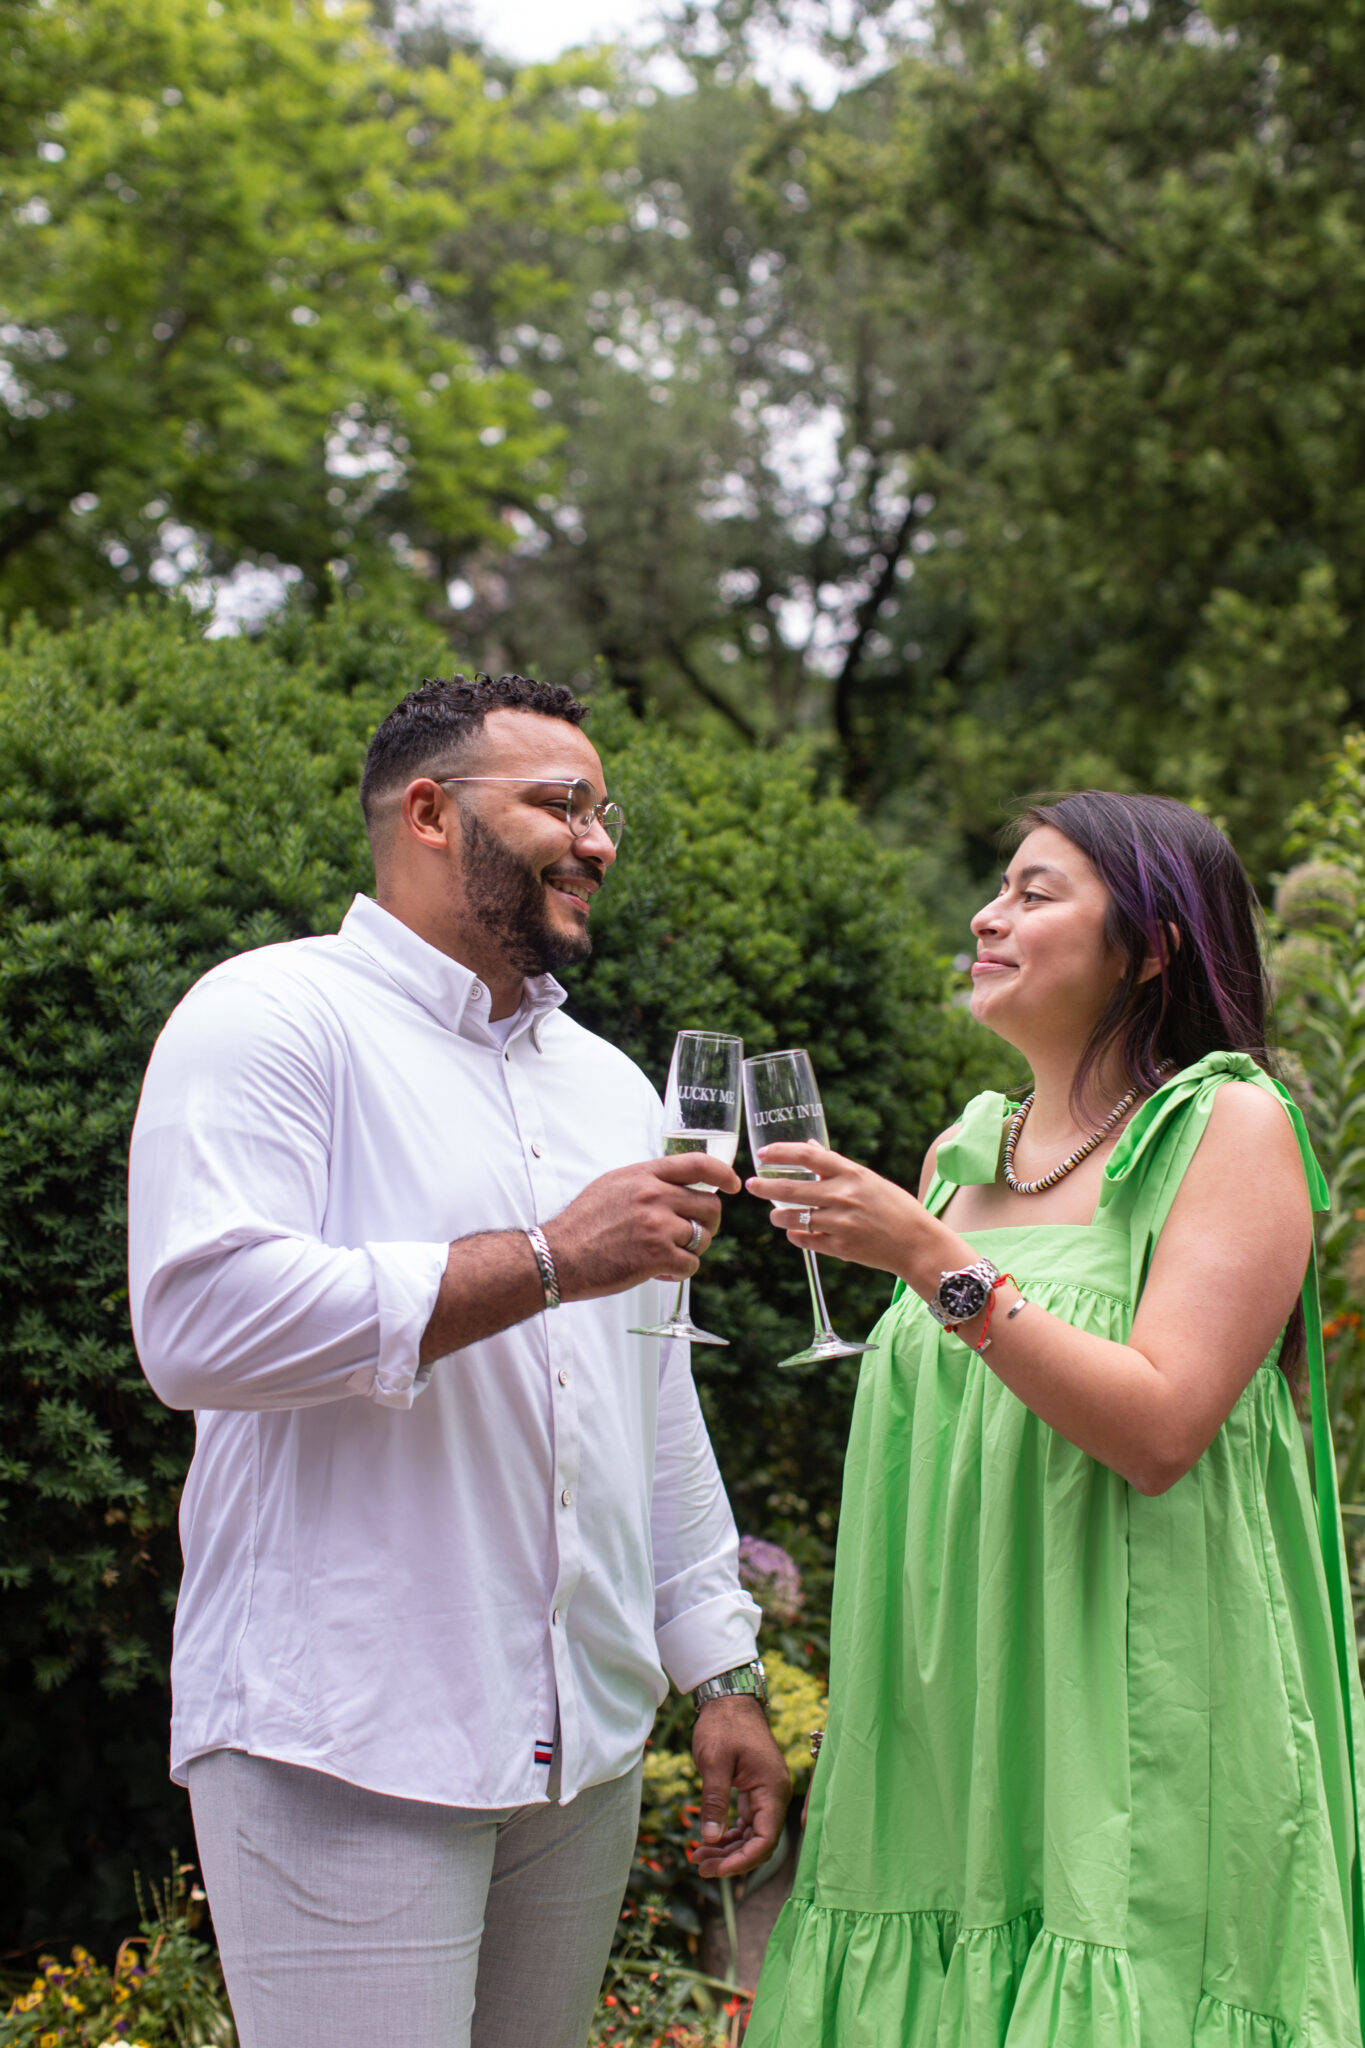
803	1222
694	1242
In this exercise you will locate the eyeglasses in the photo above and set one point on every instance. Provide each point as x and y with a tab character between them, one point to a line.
581	808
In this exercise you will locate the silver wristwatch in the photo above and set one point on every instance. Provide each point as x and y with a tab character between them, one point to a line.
745	1678
963	1293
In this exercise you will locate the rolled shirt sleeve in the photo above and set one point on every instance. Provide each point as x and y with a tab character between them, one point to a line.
237	1300
704	1622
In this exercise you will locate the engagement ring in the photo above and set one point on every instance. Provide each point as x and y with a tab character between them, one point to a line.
694	1242
803	1222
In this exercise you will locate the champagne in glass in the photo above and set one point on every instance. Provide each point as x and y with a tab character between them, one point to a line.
783	1106
701	1114
720	1145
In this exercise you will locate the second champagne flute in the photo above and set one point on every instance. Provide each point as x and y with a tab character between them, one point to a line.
783	1106
701	1114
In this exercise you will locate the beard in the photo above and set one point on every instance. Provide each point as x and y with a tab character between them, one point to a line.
505	896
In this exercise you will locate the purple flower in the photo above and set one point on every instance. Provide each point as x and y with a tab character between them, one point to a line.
771	1575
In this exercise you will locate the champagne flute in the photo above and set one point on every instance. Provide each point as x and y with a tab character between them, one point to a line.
783	1106
701	1114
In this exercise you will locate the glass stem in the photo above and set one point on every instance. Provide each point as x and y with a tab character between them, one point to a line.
682	1307
817	1297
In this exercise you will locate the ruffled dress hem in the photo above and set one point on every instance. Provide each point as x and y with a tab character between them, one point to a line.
861	1980
923	1980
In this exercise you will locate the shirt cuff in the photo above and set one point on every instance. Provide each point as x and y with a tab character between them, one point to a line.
718	1636
407	1280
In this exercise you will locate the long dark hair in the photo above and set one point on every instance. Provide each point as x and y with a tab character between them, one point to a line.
1177	891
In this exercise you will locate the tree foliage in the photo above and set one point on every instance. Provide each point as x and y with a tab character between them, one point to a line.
997	424
232	236
751	415
166	801
1150	221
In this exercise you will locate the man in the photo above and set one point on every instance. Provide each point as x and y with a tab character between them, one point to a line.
392	1219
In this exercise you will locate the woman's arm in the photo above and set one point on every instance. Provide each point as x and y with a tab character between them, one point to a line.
1227	1269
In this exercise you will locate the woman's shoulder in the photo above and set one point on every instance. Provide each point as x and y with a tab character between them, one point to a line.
1235	1098
1242	1113
930	1167
1220	1135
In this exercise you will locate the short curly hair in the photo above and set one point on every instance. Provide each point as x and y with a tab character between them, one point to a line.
433	724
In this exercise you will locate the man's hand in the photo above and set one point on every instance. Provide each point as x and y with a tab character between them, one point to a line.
635	1224
734	1751
628	1226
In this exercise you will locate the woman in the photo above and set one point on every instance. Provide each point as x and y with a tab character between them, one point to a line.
1089	1780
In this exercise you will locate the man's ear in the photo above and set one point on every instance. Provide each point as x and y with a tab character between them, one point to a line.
1154	962
425	813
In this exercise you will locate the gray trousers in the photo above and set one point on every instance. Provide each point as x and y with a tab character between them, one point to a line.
345	1918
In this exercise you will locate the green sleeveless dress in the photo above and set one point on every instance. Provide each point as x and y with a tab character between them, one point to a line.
1090	1774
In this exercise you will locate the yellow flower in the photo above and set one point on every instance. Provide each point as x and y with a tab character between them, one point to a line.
49	2040
30	2001
668	1777
797	1703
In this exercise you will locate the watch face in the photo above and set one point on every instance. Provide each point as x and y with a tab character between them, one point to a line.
963	1295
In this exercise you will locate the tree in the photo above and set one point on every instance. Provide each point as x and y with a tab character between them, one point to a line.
1151	219
742	482
231	232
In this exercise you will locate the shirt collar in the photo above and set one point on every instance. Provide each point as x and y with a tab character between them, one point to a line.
450	992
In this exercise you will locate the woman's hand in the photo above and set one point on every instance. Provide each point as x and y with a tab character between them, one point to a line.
854	1213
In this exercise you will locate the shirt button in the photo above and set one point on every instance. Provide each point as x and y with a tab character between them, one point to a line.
479	991
563	1375
566	1498
535	1151
554	1619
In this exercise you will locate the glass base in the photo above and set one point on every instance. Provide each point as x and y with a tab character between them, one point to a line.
824	1348
684	1328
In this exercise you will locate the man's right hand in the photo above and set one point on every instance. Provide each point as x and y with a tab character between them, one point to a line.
635	1224
631	1225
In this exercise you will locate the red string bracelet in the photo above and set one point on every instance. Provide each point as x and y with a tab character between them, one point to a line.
998	1281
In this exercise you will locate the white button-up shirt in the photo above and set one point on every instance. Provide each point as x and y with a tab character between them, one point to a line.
400	1574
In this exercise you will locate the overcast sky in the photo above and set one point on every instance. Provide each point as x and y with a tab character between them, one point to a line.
536	30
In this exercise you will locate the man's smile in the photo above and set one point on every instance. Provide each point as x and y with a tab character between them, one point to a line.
580	889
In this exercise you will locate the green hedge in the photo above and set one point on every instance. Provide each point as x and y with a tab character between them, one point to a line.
165	801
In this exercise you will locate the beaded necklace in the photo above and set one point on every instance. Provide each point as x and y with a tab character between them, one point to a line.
1073	1159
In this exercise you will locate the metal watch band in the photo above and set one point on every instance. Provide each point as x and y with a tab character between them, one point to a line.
745	1678
947	1306
545	1264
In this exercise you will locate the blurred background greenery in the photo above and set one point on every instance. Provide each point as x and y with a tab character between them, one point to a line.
989	421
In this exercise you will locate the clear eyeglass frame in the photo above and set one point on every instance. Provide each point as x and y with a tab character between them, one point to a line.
581	808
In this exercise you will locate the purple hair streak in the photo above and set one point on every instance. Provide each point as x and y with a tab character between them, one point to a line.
1179	894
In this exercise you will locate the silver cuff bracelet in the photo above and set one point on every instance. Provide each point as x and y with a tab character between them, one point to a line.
545	1264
